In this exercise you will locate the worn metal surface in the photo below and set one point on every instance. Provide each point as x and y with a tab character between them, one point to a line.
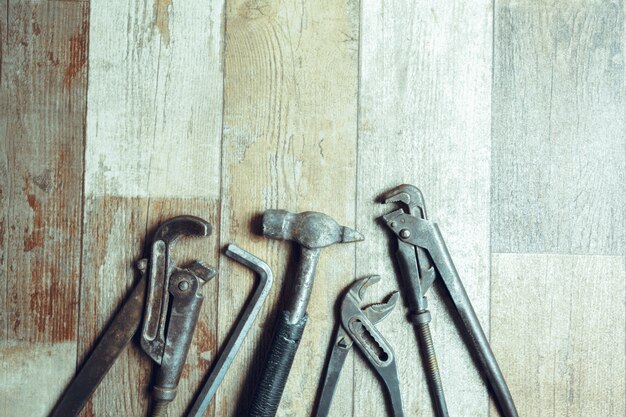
375	348
173	304
119	333
419	232
312	231
117	115
418	275
171	350
248	316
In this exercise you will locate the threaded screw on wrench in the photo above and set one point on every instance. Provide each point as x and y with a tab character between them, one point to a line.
433	377
159	408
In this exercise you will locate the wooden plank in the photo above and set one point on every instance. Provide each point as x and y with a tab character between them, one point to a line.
43	109
115	238
558	127
153	151
4	181
289	142
33	375
155	99
42	116
425	94
558	328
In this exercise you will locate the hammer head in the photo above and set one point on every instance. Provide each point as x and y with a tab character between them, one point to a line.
310	229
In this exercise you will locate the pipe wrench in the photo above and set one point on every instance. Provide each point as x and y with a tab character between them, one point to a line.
422	256
358	327
171	311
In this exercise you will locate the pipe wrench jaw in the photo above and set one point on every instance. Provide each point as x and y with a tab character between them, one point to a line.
160	270
410	198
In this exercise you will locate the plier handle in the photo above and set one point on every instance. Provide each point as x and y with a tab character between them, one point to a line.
358	327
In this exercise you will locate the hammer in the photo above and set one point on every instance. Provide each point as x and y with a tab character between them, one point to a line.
312	231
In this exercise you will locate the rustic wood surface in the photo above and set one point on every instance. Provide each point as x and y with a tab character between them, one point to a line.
509	115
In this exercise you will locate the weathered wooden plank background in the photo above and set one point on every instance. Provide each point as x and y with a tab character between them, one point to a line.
510	115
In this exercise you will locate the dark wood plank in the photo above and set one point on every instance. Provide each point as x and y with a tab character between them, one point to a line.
42	122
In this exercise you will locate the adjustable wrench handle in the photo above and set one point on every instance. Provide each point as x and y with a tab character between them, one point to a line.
286	340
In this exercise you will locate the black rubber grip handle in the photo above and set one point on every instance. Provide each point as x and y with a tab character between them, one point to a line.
277	367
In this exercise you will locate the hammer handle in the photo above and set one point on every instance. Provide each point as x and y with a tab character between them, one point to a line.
277	366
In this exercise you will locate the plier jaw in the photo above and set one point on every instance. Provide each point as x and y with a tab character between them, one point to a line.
358	327
363	332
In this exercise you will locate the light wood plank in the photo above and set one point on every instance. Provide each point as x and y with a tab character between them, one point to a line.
290	143
558	127
558	328
33	375
425	95
4	182
153	151
155	99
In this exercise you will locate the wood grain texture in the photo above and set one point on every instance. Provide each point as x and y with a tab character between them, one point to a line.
153	135
33	375
43	80
155	99
425	88
558	328
289	143
558	127
118	233
42	116
325	105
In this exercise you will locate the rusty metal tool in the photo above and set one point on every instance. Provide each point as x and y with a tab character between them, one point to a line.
358	327
171	311
168	329
241	329
423	256
312	231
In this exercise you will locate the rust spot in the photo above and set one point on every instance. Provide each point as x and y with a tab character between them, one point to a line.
36	238
35	25
162	19
78	53
54	61
2	234
44	180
